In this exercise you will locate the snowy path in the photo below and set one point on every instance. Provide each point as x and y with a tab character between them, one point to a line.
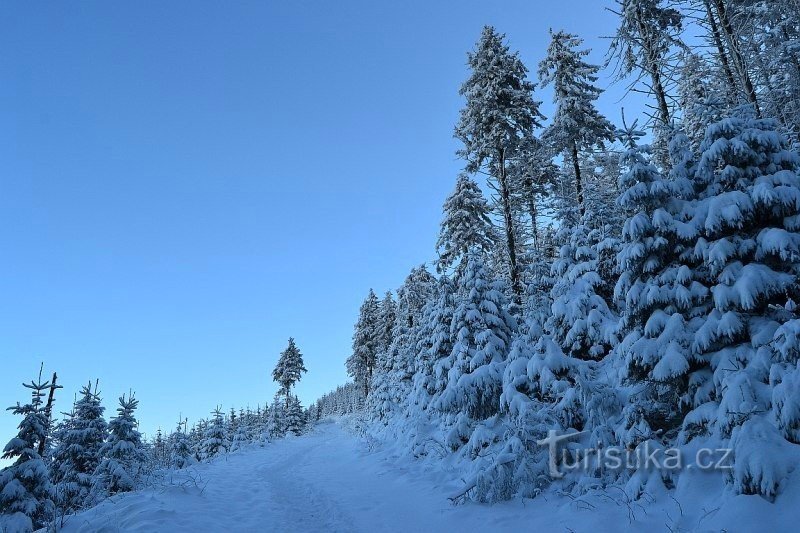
328	482
325	481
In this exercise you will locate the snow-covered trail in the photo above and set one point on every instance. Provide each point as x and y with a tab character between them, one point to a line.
325	481
328	481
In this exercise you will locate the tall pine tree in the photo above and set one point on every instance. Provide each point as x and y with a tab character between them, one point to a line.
289	369
495	125
361	364
577	124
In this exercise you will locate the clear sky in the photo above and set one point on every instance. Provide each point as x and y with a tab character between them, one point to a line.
184	185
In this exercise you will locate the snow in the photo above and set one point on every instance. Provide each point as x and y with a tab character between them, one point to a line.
332	481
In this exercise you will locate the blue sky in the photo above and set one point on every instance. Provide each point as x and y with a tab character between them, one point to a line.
184	185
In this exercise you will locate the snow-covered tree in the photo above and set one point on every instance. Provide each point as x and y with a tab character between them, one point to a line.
180	447
726	23
395	386
345	399
776	54
466	225
295	420
78	452
481	329
660	291
498	119
385	328
289	369
582	321
577	124
435	345
645	41
123	453
215	438
26	493
750	250
240	432
387	315
701	98
361	364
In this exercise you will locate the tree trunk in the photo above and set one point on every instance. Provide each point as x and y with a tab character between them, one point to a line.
533	214
653	66
723	57
48	412
738	58
508	217
578	185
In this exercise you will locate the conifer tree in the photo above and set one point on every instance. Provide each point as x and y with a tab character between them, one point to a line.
78	453
159	450
276	419
750	252
361	364
581	320
647	34
215	439
295	419
700	97
26	493
435	345
418	288
385	329
496	124
662	294
123	452
577	125
386	318
288	371
466	225
180	446
481	329
240	436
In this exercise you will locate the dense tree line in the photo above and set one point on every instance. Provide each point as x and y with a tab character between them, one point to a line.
654	304
73	463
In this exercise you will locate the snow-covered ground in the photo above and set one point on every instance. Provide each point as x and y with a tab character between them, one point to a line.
330	481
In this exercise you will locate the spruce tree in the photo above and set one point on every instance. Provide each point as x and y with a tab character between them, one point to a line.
180	446
466	225
701	98
660	289
582	321
240	436
496	123
385	329
276	419
26	493
577	125
215	438
418	288
78	453
289	370
435	345
361	364
123	452
481	329
295	419
646	37
750	250
386	319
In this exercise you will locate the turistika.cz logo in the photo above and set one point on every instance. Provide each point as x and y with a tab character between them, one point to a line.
563	459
